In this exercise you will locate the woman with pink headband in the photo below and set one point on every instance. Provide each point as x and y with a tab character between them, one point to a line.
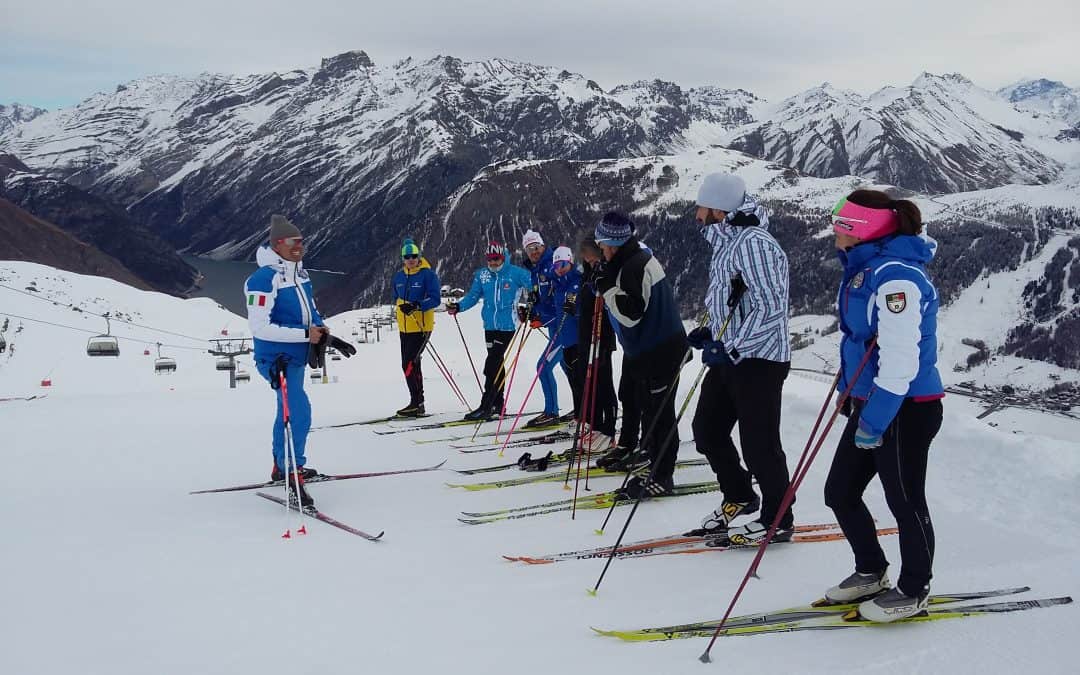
887	305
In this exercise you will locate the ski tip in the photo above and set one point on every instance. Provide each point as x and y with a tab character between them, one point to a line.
439	465
511	558
591	592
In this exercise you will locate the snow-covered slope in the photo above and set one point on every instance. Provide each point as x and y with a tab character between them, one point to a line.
111	557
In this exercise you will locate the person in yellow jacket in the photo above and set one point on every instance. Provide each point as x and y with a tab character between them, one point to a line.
416	294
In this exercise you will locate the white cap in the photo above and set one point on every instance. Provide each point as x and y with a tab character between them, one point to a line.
722	191
562	254
531	237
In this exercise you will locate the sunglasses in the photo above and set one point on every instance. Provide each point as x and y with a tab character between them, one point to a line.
291	241
411	256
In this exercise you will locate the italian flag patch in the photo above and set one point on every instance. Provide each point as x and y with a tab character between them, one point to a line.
256	299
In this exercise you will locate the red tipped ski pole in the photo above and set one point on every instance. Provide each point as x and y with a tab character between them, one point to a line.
804	464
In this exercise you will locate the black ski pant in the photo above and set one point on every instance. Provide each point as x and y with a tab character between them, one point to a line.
411	344
630	432
661	432
900	462
494	373
748	393
605	406
571	356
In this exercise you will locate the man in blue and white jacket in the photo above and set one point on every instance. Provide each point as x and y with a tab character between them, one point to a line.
748	359
498	284
284	324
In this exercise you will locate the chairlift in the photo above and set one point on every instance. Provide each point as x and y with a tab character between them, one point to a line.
316	375
242	375
163	364
103	345
224	363
335	357
3	344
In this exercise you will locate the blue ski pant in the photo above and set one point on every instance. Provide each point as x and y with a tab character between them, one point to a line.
551	357
299	412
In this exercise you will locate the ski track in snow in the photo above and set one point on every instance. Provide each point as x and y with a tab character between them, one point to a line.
109	566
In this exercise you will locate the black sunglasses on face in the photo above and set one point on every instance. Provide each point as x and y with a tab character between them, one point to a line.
411	256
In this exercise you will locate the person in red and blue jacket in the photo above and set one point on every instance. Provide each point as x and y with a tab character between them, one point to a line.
416	295
284	324
887	309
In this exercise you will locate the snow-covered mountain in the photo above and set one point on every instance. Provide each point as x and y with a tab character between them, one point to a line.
1047	97
17	113
352	150
940	134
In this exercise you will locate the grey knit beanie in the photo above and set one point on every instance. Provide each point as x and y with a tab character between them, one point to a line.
722	191
281	228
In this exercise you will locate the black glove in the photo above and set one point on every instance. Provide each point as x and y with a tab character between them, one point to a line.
452	308
277	368
523	313
699	337
346	349
316	355
534	296
570	304
407	308
605	280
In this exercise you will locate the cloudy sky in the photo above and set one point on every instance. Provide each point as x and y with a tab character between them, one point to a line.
57	52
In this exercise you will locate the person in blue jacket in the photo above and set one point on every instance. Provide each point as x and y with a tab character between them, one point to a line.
887	309
498	285
284	324
416	295
542	313
566	282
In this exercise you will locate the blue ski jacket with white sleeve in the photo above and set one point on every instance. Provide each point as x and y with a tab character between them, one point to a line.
281	307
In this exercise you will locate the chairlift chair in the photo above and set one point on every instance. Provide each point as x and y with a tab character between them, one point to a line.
316	375
3	344
224	363
242	375
164	364
103	345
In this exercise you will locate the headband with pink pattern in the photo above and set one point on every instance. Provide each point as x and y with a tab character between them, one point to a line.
862	221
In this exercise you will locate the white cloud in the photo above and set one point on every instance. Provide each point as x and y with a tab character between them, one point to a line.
65	50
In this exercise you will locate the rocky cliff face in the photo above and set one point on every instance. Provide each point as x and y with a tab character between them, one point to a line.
95	222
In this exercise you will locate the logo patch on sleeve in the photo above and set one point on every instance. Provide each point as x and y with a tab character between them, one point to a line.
256	299
896	302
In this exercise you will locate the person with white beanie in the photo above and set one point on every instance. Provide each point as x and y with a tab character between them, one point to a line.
748	363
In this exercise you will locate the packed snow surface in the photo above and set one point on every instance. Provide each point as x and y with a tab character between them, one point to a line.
110	566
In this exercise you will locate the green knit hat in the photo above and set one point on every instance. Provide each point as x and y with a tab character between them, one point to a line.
409	247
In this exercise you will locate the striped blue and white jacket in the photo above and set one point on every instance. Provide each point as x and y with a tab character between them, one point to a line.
281	307
759	324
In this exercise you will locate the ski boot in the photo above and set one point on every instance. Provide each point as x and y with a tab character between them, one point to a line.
277	474
856	588
643	487
305	499
893	605
411	410
542	420
716	523
751	534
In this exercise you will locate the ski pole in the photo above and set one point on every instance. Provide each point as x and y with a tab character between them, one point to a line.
588	402
789	495
469	354
446	373
539	369
500	375
594	356
290	459
648	434
510	383
663	448
587	387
